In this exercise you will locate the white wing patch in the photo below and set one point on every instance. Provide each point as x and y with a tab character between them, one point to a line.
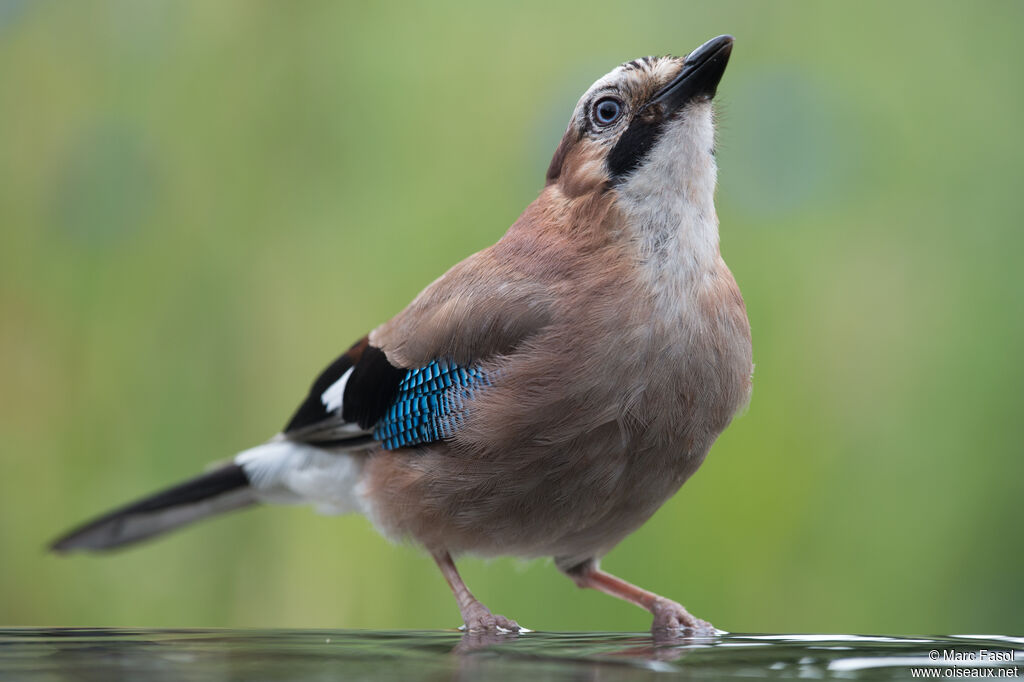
335	393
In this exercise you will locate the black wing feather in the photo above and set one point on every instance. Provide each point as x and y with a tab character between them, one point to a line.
371	389
312	409
369	392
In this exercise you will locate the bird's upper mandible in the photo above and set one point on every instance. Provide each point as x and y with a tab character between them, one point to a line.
624	116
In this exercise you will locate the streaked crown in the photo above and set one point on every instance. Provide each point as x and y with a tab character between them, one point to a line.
621	121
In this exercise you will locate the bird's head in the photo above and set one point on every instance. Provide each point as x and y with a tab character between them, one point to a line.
646	130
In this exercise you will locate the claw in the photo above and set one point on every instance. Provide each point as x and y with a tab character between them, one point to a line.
480	619
670	615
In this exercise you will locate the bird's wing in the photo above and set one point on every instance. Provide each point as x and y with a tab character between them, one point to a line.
407	382
325	417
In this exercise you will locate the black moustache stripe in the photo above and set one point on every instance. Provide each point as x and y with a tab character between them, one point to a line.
634	145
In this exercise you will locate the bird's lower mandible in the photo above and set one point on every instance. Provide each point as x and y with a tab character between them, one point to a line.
545	396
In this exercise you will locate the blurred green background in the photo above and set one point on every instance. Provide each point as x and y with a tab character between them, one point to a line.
202	203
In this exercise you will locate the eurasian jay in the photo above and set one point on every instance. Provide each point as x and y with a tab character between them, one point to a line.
545	396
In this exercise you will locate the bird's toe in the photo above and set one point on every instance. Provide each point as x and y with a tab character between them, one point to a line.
671	616
481	619
503	624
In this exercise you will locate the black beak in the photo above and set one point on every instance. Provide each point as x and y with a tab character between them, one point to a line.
700	75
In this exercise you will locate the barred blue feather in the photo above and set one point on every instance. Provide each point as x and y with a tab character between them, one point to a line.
430	404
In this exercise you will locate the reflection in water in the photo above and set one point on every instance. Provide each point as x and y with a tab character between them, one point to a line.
216	655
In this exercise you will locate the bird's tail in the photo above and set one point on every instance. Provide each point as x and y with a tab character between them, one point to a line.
218	491
278	472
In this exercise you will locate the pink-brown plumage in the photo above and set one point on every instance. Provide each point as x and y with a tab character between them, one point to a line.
601	409
603	345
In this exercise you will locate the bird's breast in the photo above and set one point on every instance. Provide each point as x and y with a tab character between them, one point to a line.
585	428
700	357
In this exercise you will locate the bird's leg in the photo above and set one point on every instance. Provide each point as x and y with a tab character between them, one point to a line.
668	615
476	616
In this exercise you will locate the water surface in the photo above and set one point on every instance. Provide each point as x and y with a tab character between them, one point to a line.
36	654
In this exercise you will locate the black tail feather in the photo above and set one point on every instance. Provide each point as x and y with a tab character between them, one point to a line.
221	490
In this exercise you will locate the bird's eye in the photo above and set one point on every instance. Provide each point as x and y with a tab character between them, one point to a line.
607	111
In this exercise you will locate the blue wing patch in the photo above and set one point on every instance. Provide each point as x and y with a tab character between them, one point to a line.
430	404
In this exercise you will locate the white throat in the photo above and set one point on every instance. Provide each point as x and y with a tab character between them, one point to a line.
669	200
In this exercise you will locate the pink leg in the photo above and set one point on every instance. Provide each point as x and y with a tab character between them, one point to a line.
476	616
668	615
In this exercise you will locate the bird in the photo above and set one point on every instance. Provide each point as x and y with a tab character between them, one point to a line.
544	396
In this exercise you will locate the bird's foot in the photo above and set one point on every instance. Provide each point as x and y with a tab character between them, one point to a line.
672	616
478	618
